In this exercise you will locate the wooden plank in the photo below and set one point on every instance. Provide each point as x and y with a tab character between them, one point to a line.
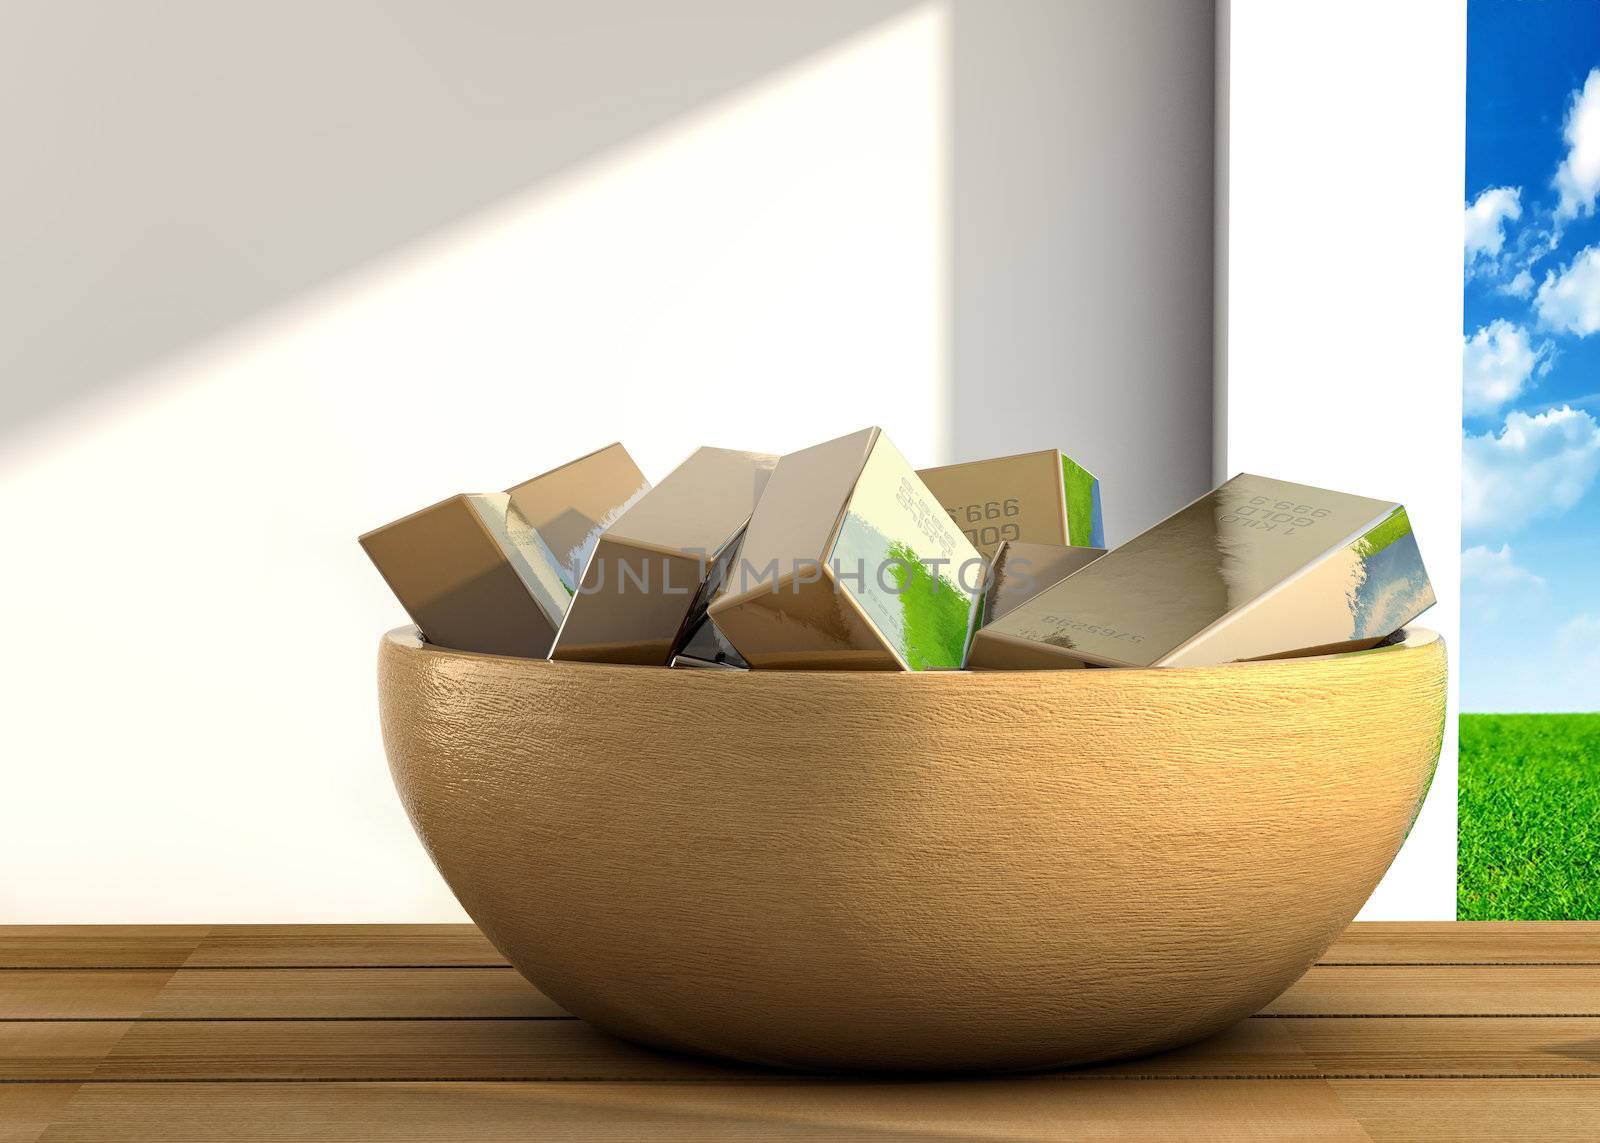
55	1051
572	1050
1003	1111
1446	1046
77	994
329	946
369	993
252	994
1478	1111
26	1109
1478	990
1422	990
444	1050
1385	1111
258	946
1441	990
91	946
501	993
389	1049
1467	942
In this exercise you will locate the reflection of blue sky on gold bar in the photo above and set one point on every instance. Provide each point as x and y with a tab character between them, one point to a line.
1257	567
1531	450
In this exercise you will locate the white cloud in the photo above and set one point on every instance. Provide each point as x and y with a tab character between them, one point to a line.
1533	467
1569	299
1520	286
1486	218
1578	177
1581	632
1577	658
1568	677
1532	663
1495	366
1490	568
1492	581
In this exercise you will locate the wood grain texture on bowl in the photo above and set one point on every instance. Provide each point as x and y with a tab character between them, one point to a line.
957	870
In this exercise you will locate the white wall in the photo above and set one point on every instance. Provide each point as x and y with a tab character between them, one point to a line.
191	730
279	272
276	272
1343	298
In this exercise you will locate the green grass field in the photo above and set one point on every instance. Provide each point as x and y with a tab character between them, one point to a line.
1529	818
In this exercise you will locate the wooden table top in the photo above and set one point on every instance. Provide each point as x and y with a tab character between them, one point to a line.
422	1032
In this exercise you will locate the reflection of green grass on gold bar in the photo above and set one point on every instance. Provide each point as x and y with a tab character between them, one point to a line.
1529	804
936	613
1391	529
1083	507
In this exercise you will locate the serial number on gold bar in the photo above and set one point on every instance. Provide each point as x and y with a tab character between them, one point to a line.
990	522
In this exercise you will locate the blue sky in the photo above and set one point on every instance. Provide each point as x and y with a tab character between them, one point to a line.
1531	362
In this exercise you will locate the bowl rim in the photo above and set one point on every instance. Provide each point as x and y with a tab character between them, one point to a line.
407	639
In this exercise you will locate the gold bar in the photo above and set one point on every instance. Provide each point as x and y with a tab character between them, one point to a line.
849	562
702	643
1258	567
481	571
1035	497
646	580
473	575
1021	570
572	505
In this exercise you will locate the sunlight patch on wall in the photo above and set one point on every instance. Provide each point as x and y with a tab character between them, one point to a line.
197	697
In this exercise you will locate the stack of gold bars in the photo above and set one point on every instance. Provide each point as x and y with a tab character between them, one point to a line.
843	557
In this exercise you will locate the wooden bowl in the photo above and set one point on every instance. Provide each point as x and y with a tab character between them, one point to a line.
966	870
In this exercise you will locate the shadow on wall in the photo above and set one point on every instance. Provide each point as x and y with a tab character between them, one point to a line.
1082	222
230	157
